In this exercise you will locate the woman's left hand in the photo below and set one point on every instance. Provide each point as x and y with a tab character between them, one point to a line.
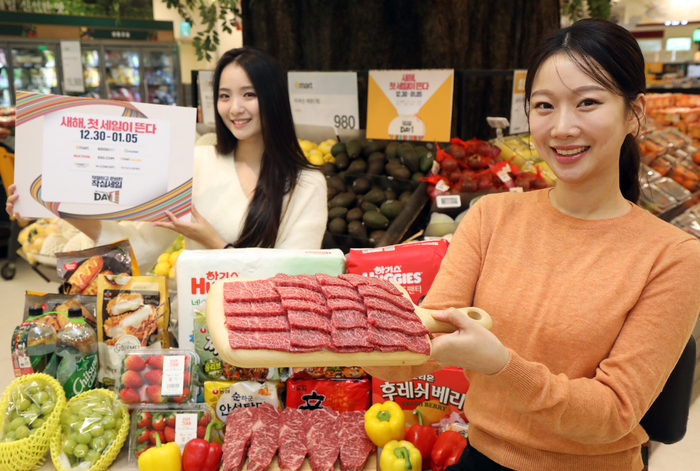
471	347
199	231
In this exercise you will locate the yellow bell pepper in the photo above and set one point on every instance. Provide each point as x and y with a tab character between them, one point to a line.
385	422
400	456
161	457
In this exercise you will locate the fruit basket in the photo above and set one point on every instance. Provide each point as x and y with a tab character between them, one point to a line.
113	447
30	453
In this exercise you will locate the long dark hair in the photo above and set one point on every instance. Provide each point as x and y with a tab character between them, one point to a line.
282	158
599	47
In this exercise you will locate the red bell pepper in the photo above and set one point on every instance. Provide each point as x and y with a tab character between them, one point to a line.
200	455
447	450
423	437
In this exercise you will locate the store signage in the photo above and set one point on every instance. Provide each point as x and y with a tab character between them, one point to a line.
518	118
184	29
206	96
410	104
72	67
324	99
106	33
102	159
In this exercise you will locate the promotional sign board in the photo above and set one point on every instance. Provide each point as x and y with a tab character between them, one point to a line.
414	105
324	99
87	158
518	118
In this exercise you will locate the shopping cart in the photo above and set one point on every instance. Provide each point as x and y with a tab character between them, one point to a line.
7	170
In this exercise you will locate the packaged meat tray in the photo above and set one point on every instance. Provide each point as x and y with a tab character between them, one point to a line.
157	377
178	424
316	321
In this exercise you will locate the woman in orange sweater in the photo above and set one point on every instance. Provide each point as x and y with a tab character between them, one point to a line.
592	298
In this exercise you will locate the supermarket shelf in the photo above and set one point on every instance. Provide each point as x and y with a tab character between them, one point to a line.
671	213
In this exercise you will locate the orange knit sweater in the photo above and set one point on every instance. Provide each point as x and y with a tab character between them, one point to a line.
595	314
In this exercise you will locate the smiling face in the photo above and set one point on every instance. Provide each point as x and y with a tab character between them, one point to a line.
577	125
237	103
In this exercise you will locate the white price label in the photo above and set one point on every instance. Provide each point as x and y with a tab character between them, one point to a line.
442	186
448	201
185	429
24	362
503	175
516	189
173	375
436	167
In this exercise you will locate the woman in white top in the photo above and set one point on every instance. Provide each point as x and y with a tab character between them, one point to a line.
254	188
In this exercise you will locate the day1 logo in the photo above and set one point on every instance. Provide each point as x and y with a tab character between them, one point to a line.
112	196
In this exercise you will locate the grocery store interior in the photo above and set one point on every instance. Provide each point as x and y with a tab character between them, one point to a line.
395	196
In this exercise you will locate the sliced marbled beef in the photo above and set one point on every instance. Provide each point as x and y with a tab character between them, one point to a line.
392	338
239	431
253	340
375	292
266	433
335	349
292	444
306	338
344	304
263	290
322	439
358	280
250	291
299	281
308	320
348	319
328	280
253	309
355	445
265	323
299	305
293	292
341	292
382	305
358	337
389	321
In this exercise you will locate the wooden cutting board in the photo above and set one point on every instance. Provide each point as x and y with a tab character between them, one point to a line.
261	358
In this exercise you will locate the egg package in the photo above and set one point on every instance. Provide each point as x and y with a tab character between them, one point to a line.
157	377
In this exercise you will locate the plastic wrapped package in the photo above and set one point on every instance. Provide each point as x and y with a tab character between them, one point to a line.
673	188
647	174
650	150
679	140
689	222
660	165
654	200
686	174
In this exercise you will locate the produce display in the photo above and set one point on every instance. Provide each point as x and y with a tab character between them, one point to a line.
29	407
318	154
369	184
46	237
677	110
157	377
168	259
94	426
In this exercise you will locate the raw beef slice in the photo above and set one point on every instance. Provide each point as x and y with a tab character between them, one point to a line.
351	338
306	339
328	280
322	439
308	320
250	291
291	292
348	319
265	323
253	309
299	281
341	292
239	430
375	292
263	290
299	305
389	321
382	305
266	433
358	280
392	338
292	444
344	304
236	291
253	340
355	445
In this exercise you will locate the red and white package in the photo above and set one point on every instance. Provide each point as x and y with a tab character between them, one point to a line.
340	396
413	265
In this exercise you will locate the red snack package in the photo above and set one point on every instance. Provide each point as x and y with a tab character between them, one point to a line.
413	265
340	396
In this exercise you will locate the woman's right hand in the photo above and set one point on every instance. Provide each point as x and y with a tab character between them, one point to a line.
12	198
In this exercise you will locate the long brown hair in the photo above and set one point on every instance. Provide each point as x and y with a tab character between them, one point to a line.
598	47
282	159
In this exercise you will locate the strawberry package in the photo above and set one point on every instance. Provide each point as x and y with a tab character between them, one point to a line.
179	425
157	377
413	265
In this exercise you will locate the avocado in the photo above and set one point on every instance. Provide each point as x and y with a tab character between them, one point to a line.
337	212
354	149
338	226
355	214
342	161
415	178
376	235
371	147
361	185
336	183
421	151
341	175
410	160
366	206
338	148
357	229
330	193
404	146
405	196
398	171
357	166
375	220
375	167
426	162
390	194
328	168
343	200
358	200
390	150
375	156
391	208
375	197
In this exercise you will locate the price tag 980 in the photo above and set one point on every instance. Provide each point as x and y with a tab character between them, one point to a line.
344	122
